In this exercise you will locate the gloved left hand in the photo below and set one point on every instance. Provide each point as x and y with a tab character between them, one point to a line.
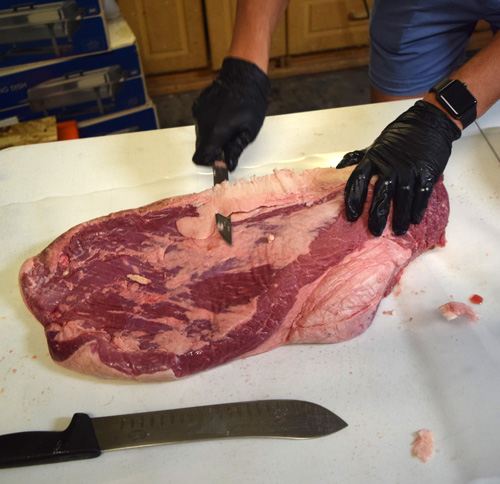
409	157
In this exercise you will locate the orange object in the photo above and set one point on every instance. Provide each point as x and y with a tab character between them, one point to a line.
67	130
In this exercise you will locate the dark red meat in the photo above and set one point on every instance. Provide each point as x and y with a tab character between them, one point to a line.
156	294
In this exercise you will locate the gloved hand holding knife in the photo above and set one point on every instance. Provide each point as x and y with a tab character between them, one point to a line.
230	112
228	116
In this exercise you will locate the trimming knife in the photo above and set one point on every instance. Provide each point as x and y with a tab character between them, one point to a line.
87	437
220	173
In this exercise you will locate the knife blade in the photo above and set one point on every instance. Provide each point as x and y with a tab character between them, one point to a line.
219	169
87	437
220	173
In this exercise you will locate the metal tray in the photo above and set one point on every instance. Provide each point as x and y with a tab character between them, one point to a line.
77	88
30	22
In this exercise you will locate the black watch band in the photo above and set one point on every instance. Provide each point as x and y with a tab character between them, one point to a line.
457	100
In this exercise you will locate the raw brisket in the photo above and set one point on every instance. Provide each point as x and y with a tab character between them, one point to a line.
155	293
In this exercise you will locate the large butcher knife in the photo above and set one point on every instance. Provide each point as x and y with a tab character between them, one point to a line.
220	173
87	437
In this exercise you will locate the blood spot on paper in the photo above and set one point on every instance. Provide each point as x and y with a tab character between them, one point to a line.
476	299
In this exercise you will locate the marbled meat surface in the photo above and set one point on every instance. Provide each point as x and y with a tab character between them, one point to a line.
155	293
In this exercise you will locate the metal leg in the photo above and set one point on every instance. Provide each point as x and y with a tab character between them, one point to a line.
99	101
53	39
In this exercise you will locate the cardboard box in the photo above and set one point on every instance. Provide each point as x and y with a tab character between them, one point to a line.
42	30
77	88
143	118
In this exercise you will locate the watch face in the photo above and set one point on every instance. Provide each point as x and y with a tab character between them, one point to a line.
458	99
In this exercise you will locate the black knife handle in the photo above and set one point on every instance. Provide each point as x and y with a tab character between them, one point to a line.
78	441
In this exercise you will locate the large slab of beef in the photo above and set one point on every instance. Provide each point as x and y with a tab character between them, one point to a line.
155	293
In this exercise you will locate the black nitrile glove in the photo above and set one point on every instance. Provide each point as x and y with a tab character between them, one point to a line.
230	112
409	157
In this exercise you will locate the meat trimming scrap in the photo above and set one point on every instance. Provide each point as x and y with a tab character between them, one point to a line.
155	293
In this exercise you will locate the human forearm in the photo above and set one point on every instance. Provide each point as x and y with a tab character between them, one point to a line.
481	75
253	28
229	113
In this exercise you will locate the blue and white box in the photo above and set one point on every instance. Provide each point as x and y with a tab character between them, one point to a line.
43	30
78	88
143	118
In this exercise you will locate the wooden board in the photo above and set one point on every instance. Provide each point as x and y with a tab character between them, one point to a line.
29	132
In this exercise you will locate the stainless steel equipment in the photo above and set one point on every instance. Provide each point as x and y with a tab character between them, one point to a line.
29	22
77	88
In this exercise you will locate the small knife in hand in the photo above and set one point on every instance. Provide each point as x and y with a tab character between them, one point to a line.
87	437
220	172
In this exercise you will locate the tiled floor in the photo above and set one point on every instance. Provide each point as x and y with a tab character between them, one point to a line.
295	94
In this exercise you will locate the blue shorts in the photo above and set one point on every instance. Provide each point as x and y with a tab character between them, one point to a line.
416	43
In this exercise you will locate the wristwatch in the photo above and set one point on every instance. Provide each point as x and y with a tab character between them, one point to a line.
457	100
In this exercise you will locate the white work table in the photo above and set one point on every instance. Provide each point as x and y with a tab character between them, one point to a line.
489	124
411	370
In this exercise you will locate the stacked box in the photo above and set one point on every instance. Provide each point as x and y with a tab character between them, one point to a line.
89	88
43	30
142	118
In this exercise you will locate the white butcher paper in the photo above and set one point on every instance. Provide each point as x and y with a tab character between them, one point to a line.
412	369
